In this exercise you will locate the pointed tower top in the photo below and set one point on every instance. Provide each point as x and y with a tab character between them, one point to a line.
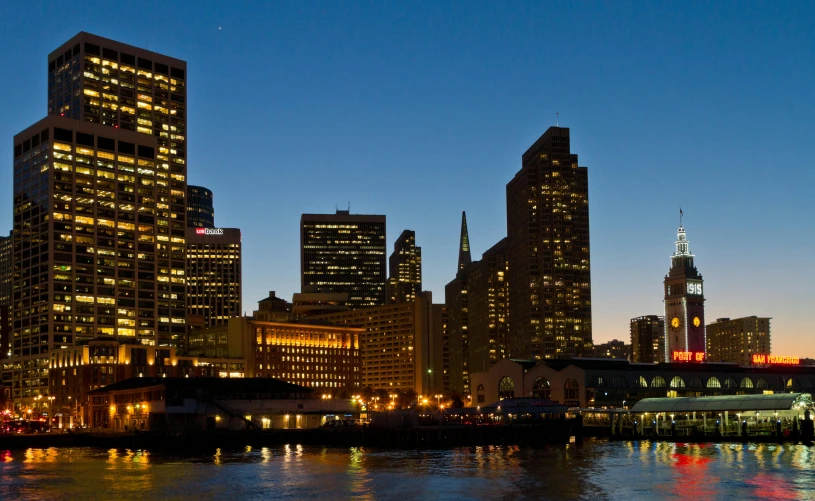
464	244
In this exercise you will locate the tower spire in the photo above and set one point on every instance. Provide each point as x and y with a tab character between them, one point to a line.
464	244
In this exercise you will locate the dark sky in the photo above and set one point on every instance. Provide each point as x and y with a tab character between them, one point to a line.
419	111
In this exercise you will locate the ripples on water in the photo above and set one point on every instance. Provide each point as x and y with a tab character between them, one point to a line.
593	470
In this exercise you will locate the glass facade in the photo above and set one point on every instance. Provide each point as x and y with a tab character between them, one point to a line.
200	212
344	253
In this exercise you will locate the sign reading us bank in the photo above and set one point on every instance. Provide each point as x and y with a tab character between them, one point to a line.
209	231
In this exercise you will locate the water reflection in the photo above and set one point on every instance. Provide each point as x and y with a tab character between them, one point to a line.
593	470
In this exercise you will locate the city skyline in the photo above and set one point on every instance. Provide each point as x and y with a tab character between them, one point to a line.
748	231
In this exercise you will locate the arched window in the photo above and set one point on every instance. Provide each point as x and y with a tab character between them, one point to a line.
746	383
809	383
762	383
619	382
542	389
713	383
658	382
792	384
677	382
730	383
571	390
506	388
480	394
599	382
642	382
696	382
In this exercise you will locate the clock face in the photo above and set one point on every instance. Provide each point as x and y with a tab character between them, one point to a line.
676	323
697	322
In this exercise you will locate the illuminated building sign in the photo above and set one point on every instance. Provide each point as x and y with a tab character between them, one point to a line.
688	356
209	231
774	359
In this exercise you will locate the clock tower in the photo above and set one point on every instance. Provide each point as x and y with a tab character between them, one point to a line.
684	302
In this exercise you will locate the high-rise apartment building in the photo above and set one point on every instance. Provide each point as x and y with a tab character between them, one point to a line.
200	212
488	309
214	279
344	252
477	301
99	208
684	304
738	340
648	339
405	280
549	275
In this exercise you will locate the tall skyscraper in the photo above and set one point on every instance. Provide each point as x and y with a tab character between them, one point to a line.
456	298
6	269
464	257
684	303
100	209
6	280
200	212
405	280
648	339
738	340
549	275
214	274
344	252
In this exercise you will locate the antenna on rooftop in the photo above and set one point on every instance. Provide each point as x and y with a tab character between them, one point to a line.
349	206
557	119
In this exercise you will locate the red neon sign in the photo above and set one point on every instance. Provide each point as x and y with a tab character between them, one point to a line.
688	356
775	359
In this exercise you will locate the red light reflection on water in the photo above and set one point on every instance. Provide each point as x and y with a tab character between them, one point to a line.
5	456
692	468
771	487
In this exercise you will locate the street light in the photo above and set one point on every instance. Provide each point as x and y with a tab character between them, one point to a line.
623	404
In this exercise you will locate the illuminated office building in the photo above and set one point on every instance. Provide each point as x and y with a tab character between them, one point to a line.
548	252
405	279
6	278
344	252
214	274
318	356
99	208
200	212
738	340
648	339
401	345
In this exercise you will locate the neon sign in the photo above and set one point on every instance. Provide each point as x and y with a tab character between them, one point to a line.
209	231
775	359
688	356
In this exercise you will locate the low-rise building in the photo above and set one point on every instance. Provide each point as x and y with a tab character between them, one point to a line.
586	382
311	355
77	370
194	404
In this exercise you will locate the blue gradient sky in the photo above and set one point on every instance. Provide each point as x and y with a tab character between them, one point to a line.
419	111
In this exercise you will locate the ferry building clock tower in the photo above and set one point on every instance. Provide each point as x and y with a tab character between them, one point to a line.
684	304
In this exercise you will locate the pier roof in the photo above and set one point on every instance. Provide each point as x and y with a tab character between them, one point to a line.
735	403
